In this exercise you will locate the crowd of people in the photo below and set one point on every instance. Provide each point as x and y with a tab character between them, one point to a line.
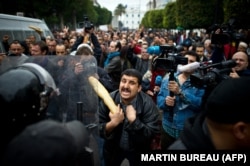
45	81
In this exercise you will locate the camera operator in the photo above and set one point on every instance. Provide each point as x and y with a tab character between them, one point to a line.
227	39
185	103
241	68
219	54
225	122
88	36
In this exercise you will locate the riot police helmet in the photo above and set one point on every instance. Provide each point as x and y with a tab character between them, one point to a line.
24	96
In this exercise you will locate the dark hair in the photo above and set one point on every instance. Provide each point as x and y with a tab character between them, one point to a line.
192	53
124	52
15	42
199	45
118	45
221	102
25	46
43	46
134	73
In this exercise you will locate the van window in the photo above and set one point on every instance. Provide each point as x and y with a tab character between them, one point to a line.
1	48
17	27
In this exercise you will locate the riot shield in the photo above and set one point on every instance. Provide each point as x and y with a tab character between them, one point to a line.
75	99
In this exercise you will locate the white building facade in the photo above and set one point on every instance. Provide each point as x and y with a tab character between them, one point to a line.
132	18
157	4
134	15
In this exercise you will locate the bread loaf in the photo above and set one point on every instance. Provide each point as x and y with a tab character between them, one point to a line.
102	92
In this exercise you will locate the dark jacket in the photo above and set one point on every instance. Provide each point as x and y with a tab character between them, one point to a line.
195	136
129	138
138	63
244	73
97	48
105	79
114	69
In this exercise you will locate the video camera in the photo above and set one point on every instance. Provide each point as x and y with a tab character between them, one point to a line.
87	24
168	59
227	33
212	74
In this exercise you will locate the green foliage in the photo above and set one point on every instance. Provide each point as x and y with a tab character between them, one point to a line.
104	16
145	20
198	13
238	10
156	17
169	16
187	14
120	9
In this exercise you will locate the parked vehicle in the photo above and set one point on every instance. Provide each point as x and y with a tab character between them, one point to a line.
19	27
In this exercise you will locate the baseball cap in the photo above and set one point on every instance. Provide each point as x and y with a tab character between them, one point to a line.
229	101
47	142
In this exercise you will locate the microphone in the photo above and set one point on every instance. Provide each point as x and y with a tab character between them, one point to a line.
188	67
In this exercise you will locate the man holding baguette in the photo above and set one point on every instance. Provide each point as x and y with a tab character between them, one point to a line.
130	128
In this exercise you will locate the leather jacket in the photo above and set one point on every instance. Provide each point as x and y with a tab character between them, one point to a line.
130	137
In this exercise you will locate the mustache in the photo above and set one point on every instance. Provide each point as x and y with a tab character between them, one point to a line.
125	89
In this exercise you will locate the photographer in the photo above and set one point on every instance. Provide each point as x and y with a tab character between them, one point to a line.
185	103
221	47
89	37
241	68
226	38
225	124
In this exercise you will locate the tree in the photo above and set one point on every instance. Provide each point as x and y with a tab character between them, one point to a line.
156	18
198	13
238	10
145	20
169	16
104	15
120	9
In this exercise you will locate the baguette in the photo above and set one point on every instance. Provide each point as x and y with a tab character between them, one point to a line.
102	92
37	29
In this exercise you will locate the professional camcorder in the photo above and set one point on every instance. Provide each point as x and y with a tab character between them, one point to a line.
87	24
168	59
228	33
212	74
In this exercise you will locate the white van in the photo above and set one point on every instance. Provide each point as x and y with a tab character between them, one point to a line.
17	27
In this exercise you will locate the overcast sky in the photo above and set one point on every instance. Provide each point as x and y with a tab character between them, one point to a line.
112	4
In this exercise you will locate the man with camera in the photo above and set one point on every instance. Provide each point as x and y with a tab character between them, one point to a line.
224	124
241	68
179	100
88	36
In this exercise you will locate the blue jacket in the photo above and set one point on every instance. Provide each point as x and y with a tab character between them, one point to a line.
185	107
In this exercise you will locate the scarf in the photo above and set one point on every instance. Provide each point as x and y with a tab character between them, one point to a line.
110	56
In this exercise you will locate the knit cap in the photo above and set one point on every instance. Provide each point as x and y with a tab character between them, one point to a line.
229	101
